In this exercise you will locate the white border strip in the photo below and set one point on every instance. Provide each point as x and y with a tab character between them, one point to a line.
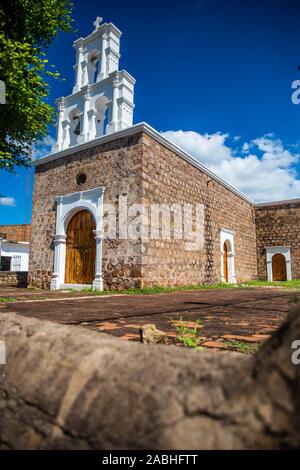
278	203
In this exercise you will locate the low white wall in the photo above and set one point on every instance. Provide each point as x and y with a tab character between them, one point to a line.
16	250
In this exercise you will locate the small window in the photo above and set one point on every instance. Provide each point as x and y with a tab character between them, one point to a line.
81	179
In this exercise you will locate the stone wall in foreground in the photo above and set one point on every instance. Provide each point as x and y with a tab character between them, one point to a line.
87	390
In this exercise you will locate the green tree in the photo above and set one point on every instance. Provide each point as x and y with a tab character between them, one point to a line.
27	28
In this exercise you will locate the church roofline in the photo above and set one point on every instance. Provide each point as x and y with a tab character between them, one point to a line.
278	203
150	131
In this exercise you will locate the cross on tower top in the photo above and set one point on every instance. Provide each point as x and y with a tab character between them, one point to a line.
97	22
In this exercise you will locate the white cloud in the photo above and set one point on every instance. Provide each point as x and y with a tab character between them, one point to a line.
207	148
263	169
7	201
43	147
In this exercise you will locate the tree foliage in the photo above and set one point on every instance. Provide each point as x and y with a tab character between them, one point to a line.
27	28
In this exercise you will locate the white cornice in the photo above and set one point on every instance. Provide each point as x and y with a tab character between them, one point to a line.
13	242
129	77
81	194
278	203
104	27
150	131
93	86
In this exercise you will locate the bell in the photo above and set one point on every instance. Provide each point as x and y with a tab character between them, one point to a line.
77	128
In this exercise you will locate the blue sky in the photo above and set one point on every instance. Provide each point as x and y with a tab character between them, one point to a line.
215	75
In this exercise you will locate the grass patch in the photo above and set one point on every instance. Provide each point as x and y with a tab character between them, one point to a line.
290	285
7	299
242	346
152	290
293	284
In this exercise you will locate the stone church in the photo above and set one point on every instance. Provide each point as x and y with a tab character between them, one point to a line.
113	200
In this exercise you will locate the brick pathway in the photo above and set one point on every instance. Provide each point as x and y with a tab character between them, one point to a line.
246	315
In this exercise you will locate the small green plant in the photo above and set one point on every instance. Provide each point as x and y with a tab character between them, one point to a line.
7	299
188	335
242	347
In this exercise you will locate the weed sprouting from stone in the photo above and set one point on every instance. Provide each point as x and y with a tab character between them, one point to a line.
188	335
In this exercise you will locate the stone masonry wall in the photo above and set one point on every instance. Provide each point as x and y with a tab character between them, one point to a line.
116	166
144	170
278	225
13	279
65	387
167	178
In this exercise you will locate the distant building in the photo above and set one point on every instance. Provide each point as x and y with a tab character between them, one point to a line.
14	247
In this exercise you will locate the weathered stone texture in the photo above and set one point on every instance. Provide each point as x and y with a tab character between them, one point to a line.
169	179
278	225
116	166
145	171
13	279
64	387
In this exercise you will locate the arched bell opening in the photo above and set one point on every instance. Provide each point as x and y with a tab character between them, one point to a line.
75	125
101	117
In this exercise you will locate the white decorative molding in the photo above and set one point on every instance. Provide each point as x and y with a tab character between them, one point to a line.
99	88
227	236
278	203
274	250
67	206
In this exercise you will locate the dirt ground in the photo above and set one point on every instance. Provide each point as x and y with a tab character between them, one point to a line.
247	316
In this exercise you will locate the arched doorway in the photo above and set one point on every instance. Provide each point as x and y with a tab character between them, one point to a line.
80	249
227	257
225	262
75	127
279	267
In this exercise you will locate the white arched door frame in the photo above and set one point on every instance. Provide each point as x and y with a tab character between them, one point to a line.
67	206
227	236
275	250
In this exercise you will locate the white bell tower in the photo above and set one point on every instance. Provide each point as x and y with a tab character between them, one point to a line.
102	97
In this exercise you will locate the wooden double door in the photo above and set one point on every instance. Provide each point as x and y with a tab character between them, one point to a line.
80	249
